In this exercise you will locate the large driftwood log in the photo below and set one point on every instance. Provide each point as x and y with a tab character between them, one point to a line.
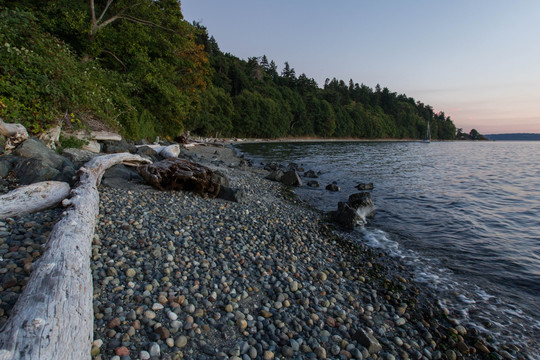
32	198
53	318
180	174
15	134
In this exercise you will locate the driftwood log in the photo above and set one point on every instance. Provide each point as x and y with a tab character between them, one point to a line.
180	174
15	134
33	198
53	318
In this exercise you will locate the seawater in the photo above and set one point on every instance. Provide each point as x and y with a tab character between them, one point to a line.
465	216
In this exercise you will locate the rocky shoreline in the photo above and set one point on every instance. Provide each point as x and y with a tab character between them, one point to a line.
180	276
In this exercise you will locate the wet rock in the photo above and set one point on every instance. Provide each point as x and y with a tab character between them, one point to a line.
291	178
367	340
364	186
333	187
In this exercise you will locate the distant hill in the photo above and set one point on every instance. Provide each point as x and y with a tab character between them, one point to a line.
514	137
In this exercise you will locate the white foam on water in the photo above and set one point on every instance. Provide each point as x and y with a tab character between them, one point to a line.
468	303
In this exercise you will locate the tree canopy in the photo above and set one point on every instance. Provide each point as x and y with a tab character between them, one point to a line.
138	66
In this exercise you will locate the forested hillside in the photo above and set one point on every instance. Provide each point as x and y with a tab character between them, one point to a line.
139	67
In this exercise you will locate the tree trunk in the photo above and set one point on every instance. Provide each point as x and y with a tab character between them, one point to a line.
33	198
53	318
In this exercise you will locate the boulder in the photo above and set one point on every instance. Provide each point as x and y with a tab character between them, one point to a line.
291	178
367	340
346	215
113	147
313	183
355	210
78	156
362	199
148	153
35	149
39	163
271	167
310	174
364	186
7	162
30	171
332	187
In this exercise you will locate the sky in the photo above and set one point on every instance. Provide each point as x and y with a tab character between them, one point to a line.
476	60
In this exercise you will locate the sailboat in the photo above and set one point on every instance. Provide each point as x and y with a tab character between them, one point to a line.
427	139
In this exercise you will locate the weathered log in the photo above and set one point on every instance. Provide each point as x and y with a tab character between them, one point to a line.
53	318
94	135
15	134
180	174
33	198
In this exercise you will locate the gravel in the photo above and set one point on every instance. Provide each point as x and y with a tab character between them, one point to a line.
180	276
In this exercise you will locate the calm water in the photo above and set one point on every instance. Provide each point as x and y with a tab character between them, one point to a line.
464	215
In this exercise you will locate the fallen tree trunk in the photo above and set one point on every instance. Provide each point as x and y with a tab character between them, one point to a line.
180	174
53	318
33	198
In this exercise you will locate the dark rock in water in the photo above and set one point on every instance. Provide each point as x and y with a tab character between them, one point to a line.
275	175
313	183
310	174
332	187
346	215
364	186
271	167
180	174
292	166
362	199
113	147
78	156
229	194
291	178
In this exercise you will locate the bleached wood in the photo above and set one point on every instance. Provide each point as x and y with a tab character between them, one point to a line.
53	318
15	134
32	198
51	137
94	135
92	146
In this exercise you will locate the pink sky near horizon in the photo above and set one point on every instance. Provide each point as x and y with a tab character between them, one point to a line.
478	61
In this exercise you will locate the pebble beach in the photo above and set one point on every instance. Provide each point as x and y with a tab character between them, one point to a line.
179	276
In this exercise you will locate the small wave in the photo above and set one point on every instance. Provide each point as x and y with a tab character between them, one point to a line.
468	303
